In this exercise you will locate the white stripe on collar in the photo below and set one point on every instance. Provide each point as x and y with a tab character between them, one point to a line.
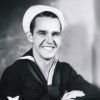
27	57
51	72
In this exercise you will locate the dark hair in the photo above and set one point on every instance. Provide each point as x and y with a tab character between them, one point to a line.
42	14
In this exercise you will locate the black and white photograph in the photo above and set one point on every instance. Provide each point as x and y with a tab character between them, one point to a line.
50	50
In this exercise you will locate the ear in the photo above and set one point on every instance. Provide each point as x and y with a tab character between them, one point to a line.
29	37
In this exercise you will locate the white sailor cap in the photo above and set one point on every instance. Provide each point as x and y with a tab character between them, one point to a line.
37	9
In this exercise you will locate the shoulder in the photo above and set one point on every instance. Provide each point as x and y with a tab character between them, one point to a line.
17	68
67	70
65	66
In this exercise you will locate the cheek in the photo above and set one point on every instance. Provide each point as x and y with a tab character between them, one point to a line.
37	41
58	41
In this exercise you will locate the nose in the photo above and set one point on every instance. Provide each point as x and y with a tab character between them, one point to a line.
49	39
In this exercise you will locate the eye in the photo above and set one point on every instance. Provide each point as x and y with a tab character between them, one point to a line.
56	33
42	33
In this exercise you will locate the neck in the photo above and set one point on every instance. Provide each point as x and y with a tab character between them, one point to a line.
43	64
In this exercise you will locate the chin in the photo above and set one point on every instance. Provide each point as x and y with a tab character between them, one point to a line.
48	57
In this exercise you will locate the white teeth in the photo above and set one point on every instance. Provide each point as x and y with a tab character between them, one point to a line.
48	48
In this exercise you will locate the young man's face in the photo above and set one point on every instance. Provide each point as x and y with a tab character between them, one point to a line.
46	37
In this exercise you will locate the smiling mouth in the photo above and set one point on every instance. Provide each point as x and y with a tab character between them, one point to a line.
49	48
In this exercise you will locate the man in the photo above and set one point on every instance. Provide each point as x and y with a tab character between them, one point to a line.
38	74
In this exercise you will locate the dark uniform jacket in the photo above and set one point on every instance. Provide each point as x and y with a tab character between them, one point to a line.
24	79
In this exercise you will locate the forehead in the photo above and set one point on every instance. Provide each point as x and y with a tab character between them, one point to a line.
47	23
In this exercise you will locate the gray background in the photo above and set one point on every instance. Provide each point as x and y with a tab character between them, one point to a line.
81	36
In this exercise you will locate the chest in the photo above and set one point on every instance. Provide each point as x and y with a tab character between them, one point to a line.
35	86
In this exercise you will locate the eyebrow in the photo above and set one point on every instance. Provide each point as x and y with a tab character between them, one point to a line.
46	31
41	31
56	32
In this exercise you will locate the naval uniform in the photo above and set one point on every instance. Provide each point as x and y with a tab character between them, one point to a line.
24	79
